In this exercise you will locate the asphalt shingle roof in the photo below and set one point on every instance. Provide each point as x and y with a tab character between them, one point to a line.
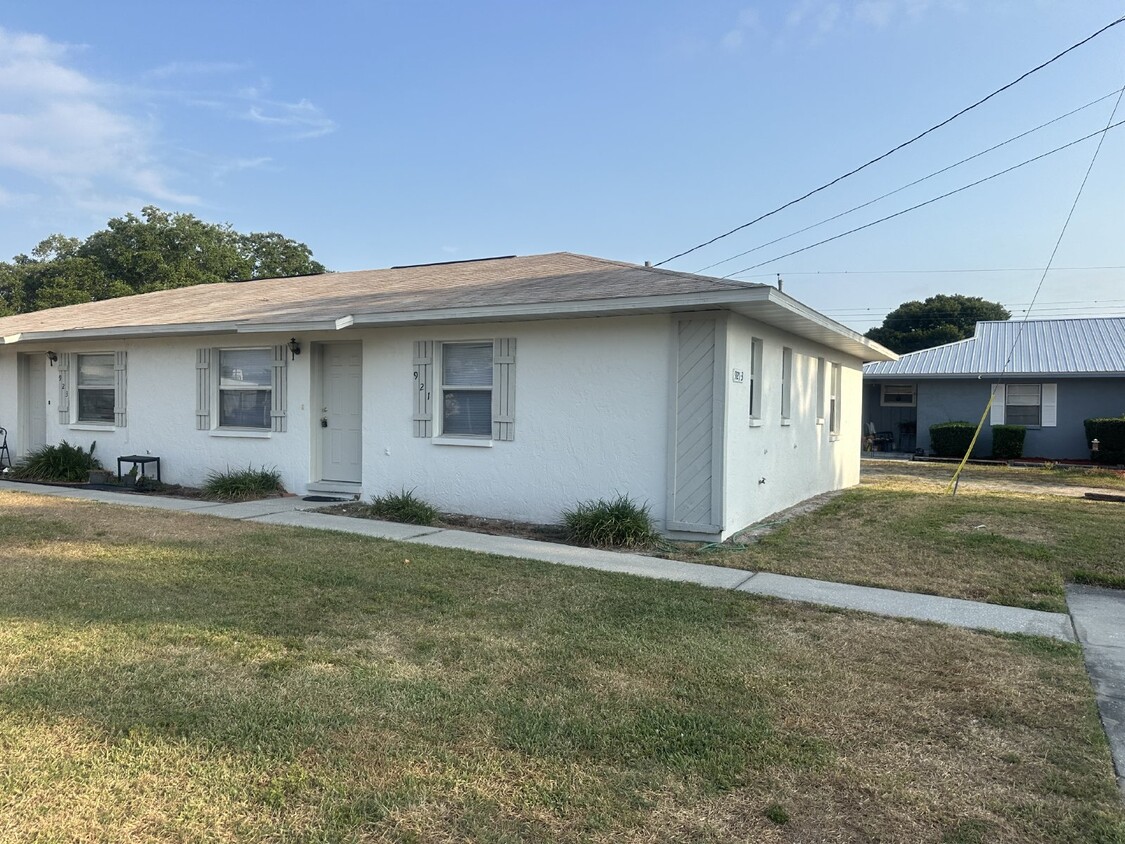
1093	346
537	279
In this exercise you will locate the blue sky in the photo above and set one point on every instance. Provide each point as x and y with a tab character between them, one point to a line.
390	133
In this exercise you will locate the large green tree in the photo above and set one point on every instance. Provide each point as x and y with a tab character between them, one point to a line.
155	251
940	319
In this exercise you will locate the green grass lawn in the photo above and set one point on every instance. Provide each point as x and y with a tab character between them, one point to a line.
174	677
1002	547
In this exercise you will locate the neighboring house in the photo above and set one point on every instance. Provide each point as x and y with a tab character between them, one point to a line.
1049	375
508	387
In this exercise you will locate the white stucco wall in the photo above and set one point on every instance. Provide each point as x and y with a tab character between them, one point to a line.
591	419
772	466
592	415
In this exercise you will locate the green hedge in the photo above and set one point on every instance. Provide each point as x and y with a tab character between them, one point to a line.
1110	434
951	439
1007	441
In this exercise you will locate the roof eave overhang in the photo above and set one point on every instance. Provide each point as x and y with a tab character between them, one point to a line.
762	303
984	376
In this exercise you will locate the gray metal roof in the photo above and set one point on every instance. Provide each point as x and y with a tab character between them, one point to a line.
1094	346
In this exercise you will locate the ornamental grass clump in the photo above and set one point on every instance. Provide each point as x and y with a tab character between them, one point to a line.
243	484
403	506
62	462
620	523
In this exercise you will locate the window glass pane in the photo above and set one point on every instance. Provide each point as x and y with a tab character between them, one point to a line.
1021	415
244	408
96	405
467	412
245	367
95	370
466	365
1023	394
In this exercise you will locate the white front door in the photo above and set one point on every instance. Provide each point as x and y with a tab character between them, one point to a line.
341	440
33	403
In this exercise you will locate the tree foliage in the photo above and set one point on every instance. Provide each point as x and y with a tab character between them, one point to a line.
157	251
940	319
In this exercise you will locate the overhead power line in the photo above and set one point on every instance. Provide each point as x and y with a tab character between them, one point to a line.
895	149
1024	163
922	272
855	208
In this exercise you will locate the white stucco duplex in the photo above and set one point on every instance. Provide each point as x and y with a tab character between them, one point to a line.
510	387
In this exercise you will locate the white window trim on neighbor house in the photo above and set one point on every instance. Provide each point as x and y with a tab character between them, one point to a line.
430	387
898	395
209	392
71	389
757	351
1005	396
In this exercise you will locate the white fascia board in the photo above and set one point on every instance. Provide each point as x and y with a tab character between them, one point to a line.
285	327
123	332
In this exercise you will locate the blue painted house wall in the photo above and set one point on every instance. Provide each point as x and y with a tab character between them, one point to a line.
964	399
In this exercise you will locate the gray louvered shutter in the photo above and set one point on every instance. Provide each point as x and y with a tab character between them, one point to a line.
504	388
119	388
423	391
203	389
279	385
64	388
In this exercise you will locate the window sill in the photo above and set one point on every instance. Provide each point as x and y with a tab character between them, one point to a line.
755	423
785	423
92	426
242	434
820	420
472	442
833	438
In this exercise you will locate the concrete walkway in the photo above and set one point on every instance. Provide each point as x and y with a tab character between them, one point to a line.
886	602
1099	619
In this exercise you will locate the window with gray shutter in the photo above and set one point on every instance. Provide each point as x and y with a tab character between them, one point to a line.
504	389
120	385
203	389
423	394
279	384
64	388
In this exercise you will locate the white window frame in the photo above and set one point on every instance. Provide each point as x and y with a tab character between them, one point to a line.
895	390
440	435
79	388
757	352
786	384
1009	404
219	389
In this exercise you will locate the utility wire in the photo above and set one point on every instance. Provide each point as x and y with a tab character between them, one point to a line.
925	272
904	144
952	488
1024	163
909	185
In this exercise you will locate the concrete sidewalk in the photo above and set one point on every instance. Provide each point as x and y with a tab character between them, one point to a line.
1099	619
887	602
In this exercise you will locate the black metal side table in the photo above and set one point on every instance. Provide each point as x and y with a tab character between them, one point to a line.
138	460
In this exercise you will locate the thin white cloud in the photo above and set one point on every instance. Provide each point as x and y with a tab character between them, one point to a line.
301	119
181	69
69	131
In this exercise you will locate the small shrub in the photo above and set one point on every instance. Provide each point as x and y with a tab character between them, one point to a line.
620	523
403	506
242	484
1110	434
62	462
1007	441
951	439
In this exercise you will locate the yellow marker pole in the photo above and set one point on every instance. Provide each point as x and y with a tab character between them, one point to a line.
952	488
